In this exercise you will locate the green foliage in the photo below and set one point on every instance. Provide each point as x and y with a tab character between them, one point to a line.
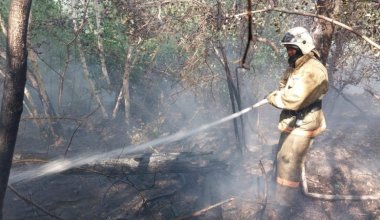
4	6
162	53
49	22
177	40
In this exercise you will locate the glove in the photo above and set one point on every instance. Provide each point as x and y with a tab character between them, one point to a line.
269	96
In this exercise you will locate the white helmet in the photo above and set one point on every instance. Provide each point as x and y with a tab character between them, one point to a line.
299	37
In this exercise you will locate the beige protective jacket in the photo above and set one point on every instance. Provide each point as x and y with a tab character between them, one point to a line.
299	88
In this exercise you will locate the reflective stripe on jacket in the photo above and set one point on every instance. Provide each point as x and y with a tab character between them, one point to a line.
299	88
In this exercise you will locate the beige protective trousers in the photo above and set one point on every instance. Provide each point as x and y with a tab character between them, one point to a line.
291	151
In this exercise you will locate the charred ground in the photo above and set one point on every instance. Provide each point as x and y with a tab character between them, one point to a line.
175	181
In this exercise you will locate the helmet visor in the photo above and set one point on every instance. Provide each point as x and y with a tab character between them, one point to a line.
288	38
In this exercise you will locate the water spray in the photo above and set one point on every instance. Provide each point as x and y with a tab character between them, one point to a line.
61	165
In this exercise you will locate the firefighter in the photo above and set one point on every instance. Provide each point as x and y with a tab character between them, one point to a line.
299	95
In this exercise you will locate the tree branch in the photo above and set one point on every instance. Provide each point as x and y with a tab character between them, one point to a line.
250	35
81	26
268	42
42	209
377	46
347	99
202	211
372	93
265	199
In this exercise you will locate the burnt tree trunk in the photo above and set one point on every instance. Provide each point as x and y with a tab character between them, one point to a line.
233	91
324	30
234	97
323	35
14	84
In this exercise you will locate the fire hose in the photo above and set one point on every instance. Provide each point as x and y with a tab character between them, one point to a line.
332	197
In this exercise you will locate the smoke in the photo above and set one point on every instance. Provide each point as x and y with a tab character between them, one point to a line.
165	112
347	151
62	165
